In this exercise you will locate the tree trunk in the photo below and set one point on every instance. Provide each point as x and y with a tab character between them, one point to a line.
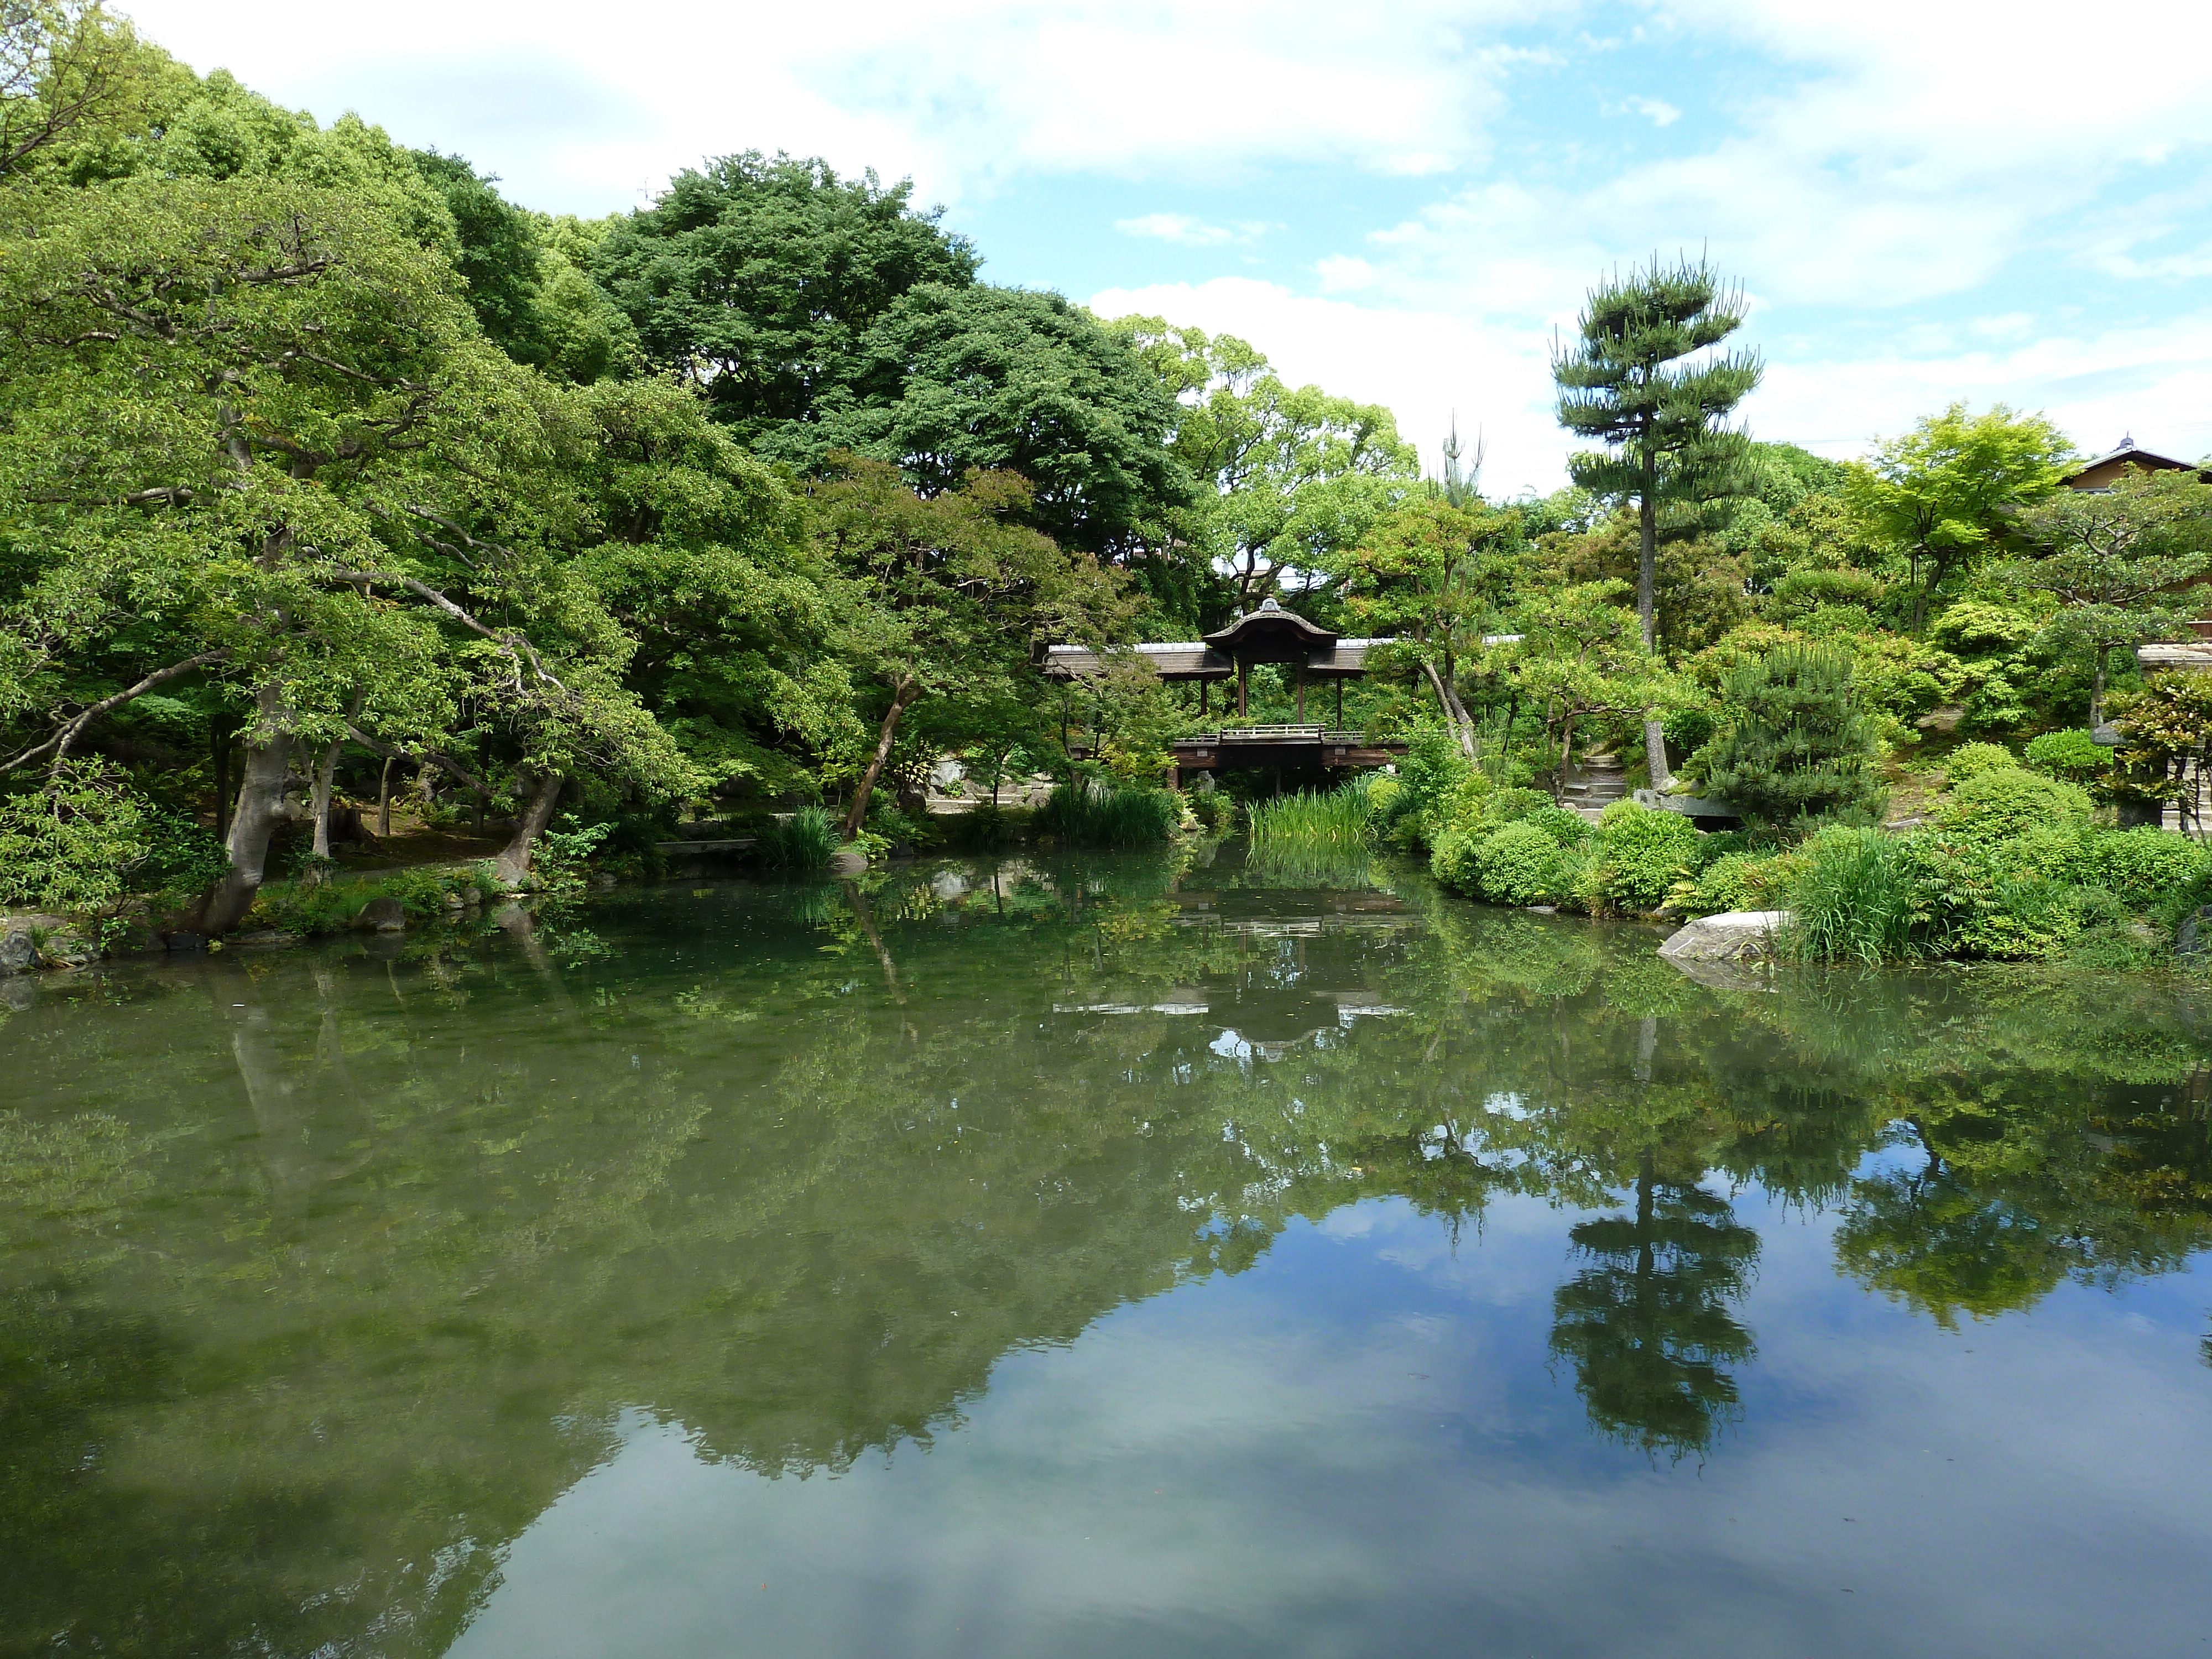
222	735
514	862
260	809
1647	607
325	770
1647	552
2097	689
902	700
384	801
1654	752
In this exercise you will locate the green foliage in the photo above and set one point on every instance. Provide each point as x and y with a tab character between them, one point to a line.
1335	823
760	277
1291	477
806	839
1852	897
2071	754
1733	881
1087	814
1971	760
563	853
1991	806
69	845
1796	745
1941	495
1624	383
1641	854
1520	864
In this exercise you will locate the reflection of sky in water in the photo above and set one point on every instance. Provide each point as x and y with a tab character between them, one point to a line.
1357	1448
1229	1270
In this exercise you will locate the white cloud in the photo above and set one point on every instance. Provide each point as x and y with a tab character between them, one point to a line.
963	94
1187	232
1661	113
1428	368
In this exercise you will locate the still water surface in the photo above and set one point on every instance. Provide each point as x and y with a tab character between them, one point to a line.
1106	1258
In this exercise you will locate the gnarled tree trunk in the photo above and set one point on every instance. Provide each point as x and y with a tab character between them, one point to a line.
260	809
902	699
514	862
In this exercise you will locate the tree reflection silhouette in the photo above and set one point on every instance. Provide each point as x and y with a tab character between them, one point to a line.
1648	1328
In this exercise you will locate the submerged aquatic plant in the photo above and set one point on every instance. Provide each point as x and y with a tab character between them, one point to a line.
807	840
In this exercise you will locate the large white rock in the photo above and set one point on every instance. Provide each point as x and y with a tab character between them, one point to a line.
1732	936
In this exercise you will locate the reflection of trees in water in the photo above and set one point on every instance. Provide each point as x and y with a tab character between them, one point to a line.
1649	1327
436	1227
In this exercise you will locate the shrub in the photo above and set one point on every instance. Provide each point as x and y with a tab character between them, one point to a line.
1641	854
1566	827
1982	898
1973	759
1797	744
1088	815
1996	804
1452	860
2146	868
1384	796
1852	897
1434	775
1733	881
1520	864
807	840
2072	755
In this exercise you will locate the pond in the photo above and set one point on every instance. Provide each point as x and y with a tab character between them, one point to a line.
1121	1256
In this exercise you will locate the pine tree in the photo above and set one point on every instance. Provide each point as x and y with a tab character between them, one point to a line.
1798	745
1624	383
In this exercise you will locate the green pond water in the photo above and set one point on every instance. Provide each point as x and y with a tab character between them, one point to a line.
1098	1257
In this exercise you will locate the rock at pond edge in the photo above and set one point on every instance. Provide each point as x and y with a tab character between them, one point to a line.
383	915
1732	936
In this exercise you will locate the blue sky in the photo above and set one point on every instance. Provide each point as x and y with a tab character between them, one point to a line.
1924	202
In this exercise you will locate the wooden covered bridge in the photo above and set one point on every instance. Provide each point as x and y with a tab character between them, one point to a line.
1268	633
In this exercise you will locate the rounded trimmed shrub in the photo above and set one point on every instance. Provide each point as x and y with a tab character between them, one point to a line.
1566	827
1994	804
1971	760
2072	755
1521	865
1641	854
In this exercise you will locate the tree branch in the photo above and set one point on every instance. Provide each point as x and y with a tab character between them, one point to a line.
73	728
432	756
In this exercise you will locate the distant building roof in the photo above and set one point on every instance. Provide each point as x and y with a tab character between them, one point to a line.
2100	473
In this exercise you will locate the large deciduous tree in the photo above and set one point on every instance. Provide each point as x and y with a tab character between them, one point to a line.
955	379
250	428
1940	494
948	591
1434	575
1290	479
1634	380
2123	561
756	278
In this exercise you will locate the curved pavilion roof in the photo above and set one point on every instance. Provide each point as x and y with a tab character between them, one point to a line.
1266	633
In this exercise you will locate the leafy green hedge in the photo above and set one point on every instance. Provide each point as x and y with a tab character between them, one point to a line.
1514	847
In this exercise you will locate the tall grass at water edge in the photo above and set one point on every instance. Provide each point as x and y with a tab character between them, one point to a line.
1851	899
807	840
1323	838
1085	815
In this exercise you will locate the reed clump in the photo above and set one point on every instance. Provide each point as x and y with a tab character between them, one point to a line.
807	840
1088	814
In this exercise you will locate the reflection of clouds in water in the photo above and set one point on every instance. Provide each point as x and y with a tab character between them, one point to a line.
1355	1439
